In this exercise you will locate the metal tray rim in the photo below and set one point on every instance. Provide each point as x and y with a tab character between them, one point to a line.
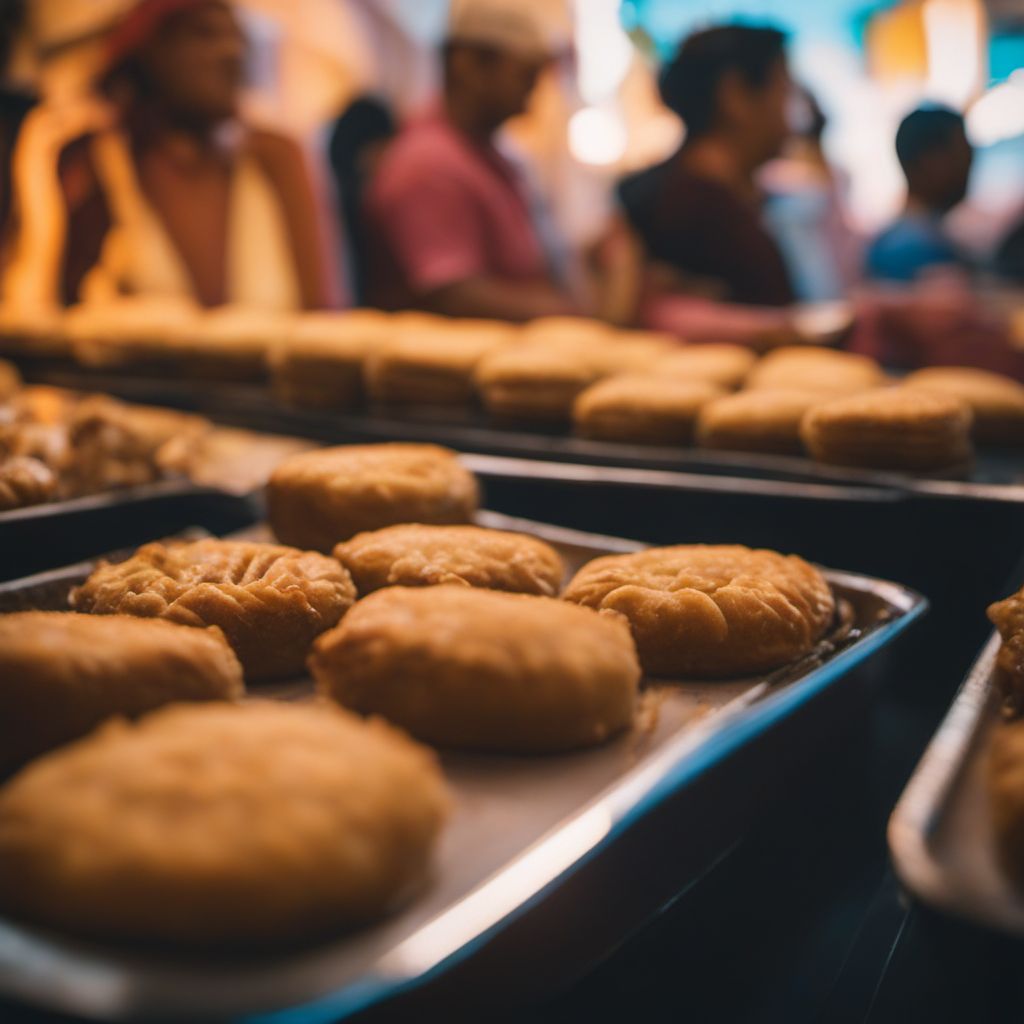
920	805
595	826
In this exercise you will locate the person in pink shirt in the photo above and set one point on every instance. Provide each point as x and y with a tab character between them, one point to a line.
449	225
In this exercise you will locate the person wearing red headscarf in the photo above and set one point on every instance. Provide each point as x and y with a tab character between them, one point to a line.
180	198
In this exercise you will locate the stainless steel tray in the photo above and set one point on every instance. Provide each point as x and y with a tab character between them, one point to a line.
526	832
996	474
940	833
38	537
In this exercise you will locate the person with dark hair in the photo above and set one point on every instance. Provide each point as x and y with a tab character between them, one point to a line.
447	213
932	148
357	143
698	213
179	197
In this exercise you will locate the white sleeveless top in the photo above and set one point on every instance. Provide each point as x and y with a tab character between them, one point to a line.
138	257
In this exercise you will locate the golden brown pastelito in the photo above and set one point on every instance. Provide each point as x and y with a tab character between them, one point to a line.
214	825
534	381
756	421
433	364
806	367
415	555
481	670
1008	617
318	363
62	673
642	408
717	362
890	428
318	499
996	401
710	611
271	601
25	481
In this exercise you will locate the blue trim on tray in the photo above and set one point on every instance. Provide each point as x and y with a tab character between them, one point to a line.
750	723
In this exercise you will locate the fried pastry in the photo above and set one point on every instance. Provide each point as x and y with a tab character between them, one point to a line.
319	362
996	401
890	428
318	499
642	408
414	555
710	611
271	601
433	365
756	421
534	382
211	825
552	331
1008	617
481	670
62	673
807	368
25	481
1005	777
117	445
718	363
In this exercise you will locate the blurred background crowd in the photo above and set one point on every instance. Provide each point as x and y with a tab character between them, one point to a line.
720	169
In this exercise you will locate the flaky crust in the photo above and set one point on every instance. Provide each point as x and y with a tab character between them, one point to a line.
996	401
804	367
477	669
710	611
1006	796
62	673
211	825
113	444
756	421
415	555
270	600
318	499
1008	617
889	428
718	363
25	481
642	408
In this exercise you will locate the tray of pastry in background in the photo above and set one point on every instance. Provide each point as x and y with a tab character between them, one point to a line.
956	834
80	473
566	391
526	832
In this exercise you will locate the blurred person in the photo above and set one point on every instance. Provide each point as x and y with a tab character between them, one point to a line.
357	143
698	214
179	197
804	209
936	157
15	102
451	225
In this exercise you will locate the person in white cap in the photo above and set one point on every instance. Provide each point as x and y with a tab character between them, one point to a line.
449	224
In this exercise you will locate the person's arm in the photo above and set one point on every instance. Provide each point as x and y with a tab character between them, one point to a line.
305	216
499	298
